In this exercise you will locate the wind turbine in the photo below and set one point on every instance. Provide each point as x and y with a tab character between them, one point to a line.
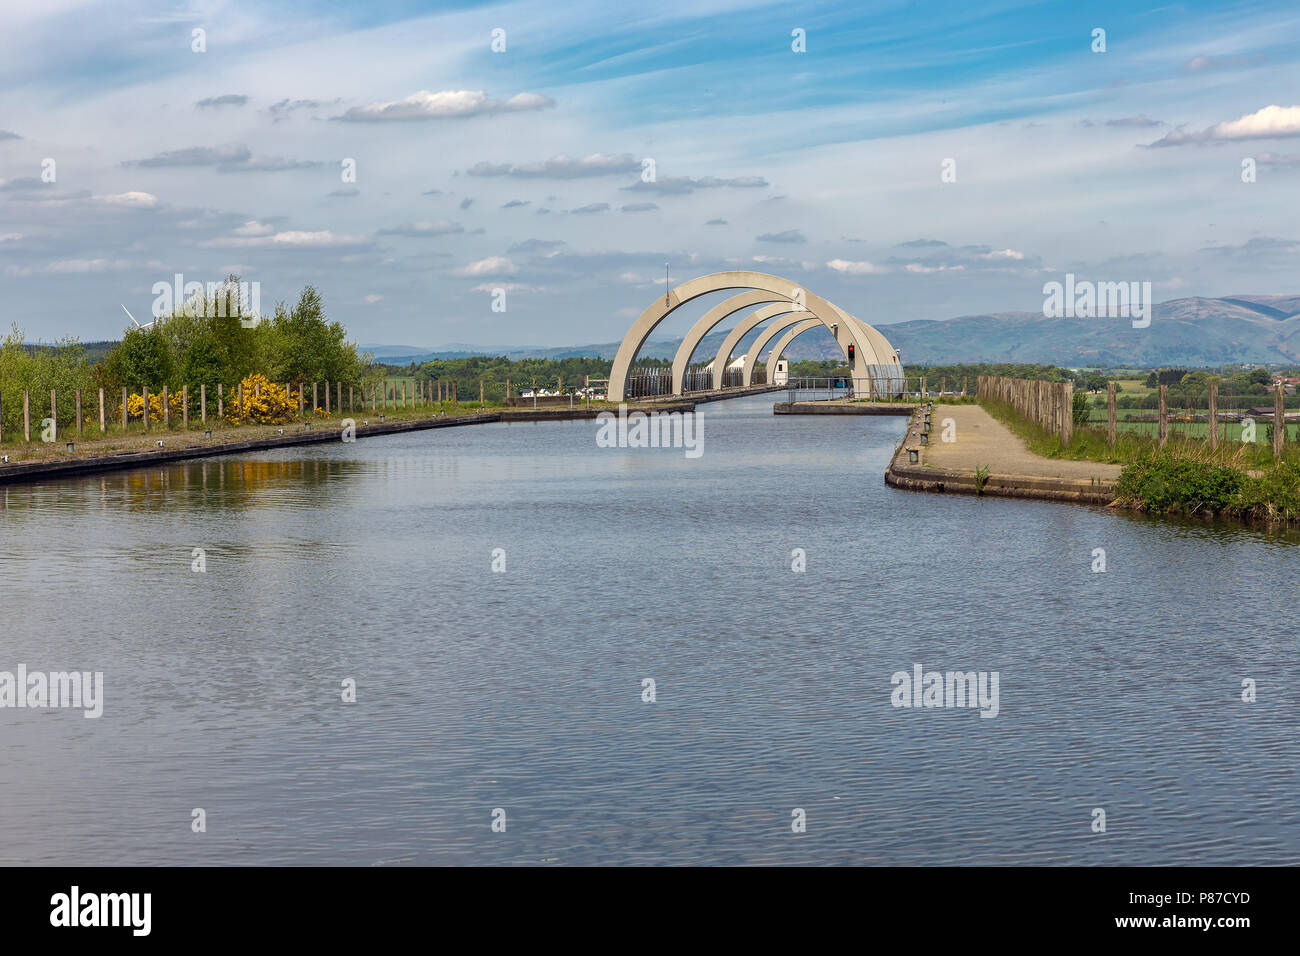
132	318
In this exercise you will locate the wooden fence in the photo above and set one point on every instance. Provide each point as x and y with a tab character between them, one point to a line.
332	399
1049	404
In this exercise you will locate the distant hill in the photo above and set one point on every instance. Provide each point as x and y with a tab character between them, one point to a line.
1257	329
1190	332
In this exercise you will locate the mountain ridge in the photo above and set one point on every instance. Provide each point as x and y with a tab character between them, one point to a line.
1191	331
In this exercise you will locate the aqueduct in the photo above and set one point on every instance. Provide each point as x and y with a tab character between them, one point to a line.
873	363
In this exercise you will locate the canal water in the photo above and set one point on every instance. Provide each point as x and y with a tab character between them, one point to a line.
523	690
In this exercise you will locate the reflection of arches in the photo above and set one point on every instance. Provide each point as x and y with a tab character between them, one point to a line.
872	353
780	325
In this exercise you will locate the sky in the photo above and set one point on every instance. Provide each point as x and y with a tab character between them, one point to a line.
911	161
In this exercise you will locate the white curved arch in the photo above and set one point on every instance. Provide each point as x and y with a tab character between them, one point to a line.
846	332
747	325
768	334
705	325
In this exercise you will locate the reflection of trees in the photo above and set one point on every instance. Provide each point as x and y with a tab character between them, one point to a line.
203	484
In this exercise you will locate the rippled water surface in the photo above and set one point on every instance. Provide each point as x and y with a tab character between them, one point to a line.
522	690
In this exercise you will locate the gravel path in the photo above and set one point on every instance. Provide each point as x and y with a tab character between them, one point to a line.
982	440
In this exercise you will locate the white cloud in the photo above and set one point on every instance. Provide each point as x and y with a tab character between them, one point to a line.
77	266
562	167
491	266
254	228
291	238
1268	123
134	200
918	268
849	267
369	300
507	286
444	104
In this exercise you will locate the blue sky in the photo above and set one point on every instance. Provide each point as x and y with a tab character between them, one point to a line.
522	170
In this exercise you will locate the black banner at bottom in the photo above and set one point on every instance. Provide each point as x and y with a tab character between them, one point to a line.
138	906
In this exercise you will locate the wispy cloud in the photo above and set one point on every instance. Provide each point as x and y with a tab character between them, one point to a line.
233	158
681	185
422	229
561	167
491	266
1199	64
445	104
226	99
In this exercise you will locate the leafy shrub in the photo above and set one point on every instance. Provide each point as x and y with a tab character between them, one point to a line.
1163	484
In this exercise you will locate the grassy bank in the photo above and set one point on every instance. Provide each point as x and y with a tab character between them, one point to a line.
1088	443
92	442
1236	480
1164	484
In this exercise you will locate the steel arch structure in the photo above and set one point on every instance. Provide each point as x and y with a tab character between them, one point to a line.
873	356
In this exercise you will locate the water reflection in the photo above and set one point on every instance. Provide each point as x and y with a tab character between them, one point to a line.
522	688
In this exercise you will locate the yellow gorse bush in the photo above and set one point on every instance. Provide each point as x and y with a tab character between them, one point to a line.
135	406
265	403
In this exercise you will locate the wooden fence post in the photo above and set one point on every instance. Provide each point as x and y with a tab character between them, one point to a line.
103	416
203	403
241	400
373	405
352	402
403	393
167	409
185	407
1214	415
302	401
1067	413
221	400
144	391
54	412
27	415
327	399
1162	430
315	398
481	405
1112	425
1279	421
124	418
78	412
338	397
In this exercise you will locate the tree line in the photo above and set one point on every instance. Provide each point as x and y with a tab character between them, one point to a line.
203	342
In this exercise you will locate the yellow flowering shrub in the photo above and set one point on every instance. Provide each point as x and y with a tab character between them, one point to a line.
135	406
265	403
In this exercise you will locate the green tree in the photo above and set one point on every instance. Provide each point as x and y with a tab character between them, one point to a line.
144	358
305	347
